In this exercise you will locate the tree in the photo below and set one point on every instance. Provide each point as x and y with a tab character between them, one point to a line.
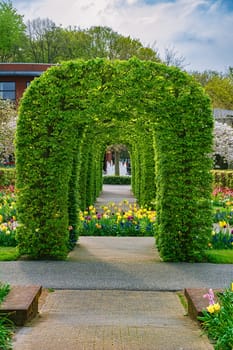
171	58
105	43
45	40
220	90
12	32
7	128
218	86
48	43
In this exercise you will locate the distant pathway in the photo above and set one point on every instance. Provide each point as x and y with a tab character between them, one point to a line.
116	194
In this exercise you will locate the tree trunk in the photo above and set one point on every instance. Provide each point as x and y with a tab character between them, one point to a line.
117	163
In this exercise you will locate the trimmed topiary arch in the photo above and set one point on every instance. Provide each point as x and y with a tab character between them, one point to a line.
73	111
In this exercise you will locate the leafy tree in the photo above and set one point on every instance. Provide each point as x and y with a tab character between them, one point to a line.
204	77
45	40
12	32
48	43
218	86
220	90
75	43
7	128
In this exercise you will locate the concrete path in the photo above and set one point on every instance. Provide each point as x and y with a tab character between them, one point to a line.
114	194
111	320
113	293
116	263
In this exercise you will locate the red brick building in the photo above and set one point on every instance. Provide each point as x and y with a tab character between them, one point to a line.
15	77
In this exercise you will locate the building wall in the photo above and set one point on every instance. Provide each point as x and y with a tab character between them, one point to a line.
22	74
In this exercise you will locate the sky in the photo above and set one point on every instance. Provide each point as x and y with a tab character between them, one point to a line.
200	31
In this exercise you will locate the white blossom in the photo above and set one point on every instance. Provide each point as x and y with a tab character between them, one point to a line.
223	141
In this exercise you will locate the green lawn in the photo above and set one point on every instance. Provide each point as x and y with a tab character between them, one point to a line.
213	256
9	253
220	256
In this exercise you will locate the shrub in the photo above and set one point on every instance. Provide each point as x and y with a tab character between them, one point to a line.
117	180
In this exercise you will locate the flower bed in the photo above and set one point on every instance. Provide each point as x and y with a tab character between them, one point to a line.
123	219
217	318
222	236
8	221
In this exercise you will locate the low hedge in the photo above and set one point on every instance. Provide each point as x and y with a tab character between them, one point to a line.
7	176
223	178
116	180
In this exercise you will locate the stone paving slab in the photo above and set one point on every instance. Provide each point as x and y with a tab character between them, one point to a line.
117	320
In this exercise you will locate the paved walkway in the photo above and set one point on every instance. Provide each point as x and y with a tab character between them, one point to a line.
113	293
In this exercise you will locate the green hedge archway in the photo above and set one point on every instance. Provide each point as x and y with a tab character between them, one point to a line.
66	118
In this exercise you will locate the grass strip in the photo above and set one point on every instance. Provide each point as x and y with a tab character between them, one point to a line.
9	253
223	256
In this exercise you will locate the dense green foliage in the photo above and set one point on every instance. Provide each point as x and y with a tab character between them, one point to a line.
12	31
117	180
218	86
71	114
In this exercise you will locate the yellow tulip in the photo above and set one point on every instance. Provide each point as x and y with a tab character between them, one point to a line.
210	309
222	224
217	307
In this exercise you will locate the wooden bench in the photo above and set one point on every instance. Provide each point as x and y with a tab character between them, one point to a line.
21	304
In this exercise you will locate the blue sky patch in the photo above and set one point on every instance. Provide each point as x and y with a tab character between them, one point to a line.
153	2
227	4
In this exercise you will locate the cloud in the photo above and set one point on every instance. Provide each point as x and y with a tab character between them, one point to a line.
199	30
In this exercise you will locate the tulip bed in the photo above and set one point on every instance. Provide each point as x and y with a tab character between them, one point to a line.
123	219
222	236
8	221
217	318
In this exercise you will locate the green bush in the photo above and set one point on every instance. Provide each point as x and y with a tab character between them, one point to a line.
116	180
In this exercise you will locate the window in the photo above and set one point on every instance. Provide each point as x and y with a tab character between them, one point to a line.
7	90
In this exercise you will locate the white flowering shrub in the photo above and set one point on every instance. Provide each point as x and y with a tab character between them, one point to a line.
7	128
223	143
